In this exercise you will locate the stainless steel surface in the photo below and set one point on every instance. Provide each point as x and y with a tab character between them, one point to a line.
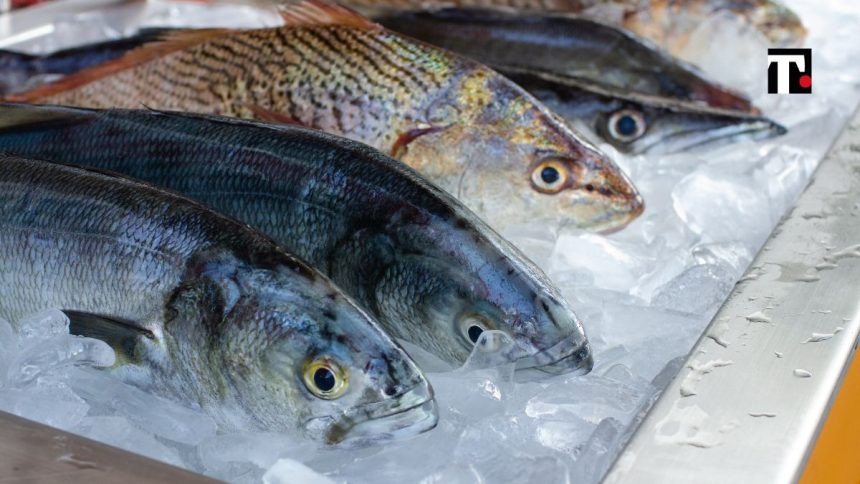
754	392
34	453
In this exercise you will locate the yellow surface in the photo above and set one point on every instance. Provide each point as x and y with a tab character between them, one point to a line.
836	457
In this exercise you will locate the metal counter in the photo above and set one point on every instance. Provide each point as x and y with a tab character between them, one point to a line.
34	453
754	392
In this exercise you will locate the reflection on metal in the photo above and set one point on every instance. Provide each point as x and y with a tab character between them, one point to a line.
35	453
753	394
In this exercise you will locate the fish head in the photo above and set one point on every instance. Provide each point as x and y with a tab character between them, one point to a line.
508	157
296	354
465	280
665	126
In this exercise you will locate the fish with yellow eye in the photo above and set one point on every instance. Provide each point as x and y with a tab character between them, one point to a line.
462	125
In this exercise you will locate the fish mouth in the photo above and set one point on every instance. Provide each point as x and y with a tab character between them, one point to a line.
409	414
571	356
756	129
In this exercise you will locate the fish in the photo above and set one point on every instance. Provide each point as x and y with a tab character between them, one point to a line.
640	124
429	270
465	127
668	23
202	308
20	71
558	46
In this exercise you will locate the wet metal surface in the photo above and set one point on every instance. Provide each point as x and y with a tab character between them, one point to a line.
749	402
34	453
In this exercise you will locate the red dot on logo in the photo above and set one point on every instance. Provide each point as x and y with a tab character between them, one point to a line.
805	81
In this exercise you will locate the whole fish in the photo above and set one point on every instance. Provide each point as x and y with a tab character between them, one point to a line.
467	128
432	272
210	310
668	23
636	124
569	47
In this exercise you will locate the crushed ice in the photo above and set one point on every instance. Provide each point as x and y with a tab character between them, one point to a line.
645	294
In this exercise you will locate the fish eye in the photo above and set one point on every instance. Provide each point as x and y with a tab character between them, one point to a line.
325	378
473	326
626	125
550	176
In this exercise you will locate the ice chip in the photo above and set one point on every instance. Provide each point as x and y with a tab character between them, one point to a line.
288	471
43	325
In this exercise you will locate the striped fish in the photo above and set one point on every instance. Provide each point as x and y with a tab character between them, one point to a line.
466	127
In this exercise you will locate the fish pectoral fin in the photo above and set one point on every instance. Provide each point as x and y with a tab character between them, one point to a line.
400	144
271	116
315	12
121	335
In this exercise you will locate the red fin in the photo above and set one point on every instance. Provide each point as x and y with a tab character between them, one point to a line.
315	12
173	41
272	117
404	139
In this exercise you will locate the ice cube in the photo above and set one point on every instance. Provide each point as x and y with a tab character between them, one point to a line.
159	416
122	433
42	325
287	471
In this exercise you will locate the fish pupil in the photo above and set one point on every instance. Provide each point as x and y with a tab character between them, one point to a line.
324	379
549	175
475	332
626	125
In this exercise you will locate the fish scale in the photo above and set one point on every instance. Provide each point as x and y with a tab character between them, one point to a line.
410	253
210	312
319	70
462	125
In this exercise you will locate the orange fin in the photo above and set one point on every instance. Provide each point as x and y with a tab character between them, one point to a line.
173	41
272	117
315	12
399	147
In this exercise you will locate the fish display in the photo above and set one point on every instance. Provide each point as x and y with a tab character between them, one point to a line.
577	49
637	124
430	271
462	125
668	23
201	306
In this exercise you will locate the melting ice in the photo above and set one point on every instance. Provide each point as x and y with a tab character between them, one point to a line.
645	295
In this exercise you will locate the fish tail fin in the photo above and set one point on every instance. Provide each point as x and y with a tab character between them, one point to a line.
316	12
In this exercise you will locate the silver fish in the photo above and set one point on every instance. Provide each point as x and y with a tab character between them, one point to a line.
212	311
431	271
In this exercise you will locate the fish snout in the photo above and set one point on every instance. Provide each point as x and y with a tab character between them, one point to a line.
408	414
621	201
568	352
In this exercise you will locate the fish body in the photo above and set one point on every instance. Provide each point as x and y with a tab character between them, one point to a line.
428	269
462	125
570	47
212	311
668	23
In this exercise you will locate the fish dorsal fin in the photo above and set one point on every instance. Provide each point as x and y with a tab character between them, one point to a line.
172	41
15	117
315	12
123	336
